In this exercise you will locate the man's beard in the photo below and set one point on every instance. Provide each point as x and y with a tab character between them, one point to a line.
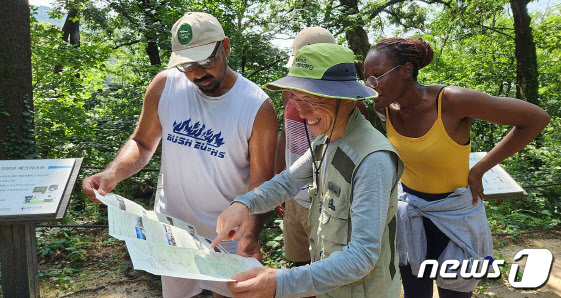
215	83
210	88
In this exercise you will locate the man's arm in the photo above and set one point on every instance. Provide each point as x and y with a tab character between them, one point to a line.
262	145
280	157
280	165
138	150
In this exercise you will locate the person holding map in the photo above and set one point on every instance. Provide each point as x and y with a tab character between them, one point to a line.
218	133
292	144
354	173
429	125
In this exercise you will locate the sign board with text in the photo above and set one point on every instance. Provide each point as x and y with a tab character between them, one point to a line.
36	189
497	183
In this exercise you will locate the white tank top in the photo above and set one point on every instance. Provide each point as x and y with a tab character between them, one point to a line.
205	159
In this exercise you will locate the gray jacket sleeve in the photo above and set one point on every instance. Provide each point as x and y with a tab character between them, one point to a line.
285	184
373	183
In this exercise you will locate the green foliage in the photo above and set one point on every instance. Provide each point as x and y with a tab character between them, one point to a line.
64	252
18	143
63	78
271	242
547	36
541	209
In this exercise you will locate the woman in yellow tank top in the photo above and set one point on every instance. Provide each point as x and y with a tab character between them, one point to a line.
429	125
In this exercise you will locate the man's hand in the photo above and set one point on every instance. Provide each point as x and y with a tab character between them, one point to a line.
256	282
248	247
475	182
279	210
235	216
104	182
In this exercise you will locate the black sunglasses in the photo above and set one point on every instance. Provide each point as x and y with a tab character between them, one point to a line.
204	64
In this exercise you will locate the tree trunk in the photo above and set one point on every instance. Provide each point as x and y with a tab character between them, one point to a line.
151	36
243	62
153	52
17	139
357	37
527	83
70	34
358	42
71	28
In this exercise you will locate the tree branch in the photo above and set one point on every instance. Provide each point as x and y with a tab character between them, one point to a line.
127	44
497	31
398	19
445	3
119	8
382	7
267	67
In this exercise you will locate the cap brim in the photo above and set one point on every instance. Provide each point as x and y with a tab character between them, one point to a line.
351	90
193	54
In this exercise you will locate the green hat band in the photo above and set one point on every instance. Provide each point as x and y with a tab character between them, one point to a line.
324	61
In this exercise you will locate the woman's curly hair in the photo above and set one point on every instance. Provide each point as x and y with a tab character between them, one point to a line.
402	50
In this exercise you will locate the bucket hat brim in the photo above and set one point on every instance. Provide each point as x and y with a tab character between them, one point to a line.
350	90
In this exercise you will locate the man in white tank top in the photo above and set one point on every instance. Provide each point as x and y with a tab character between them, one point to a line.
218	133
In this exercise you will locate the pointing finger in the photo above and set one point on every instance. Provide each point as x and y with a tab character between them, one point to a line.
221	236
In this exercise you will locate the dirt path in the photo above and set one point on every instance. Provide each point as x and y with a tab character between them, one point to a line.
97	281
501	288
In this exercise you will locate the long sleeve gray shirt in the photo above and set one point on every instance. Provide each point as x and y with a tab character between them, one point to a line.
372	185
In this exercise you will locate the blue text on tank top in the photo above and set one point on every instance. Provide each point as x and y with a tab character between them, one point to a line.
197	136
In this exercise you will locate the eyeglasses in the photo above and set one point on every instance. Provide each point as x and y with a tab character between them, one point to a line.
300	103
372	81
204	64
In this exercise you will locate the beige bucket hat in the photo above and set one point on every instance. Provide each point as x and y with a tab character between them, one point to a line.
308	36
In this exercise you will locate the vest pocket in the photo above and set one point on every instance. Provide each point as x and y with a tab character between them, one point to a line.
337	204
334	224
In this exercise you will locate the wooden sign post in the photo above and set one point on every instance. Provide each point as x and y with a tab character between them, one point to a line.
31	191
19	260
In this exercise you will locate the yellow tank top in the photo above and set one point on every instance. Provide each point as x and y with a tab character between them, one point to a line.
434	163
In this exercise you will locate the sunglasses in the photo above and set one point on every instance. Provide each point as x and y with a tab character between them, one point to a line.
204	64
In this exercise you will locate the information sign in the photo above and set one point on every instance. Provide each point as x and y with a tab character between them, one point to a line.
497	183
36	189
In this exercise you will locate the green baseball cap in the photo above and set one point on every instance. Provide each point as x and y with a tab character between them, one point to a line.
324	69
